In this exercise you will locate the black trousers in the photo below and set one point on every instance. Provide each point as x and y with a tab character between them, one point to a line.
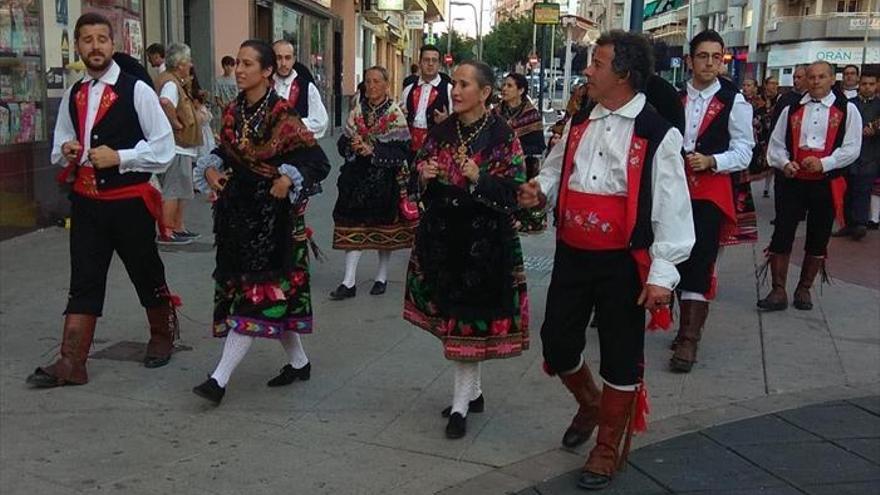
796	198
696	272
97	229
857	203
609	282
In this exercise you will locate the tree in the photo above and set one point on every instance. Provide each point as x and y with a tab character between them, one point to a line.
510	42
462	47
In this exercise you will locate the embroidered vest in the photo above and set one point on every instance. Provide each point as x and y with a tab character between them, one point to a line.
438	100
116	126
833	139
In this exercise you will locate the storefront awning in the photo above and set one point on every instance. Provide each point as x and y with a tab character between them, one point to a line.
835	52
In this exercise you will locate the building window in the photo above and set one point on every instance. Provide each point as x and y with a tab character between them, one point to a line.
848	5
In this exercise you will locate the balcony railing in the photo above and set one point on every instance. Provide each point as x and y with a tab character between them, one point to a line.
819	26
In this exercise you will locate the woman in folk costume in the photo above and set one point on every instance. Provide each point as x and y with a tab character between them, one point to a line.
525	120
265	160
373	210
466	282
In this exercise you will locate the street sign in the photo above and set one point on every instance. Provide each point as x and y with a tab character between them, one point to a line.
675	62
448	59
545	13
414	20
390	5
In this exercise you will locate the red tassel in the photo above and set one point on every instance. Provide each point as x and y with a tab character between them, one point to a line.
713	287
309	232
547	369
175	299
661	319
643	409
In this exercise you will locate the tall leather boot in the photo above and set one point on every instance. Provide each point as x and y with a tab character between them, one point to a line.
809	269
777	299
606	458
163	329
70	368
685	355
587	394
683	321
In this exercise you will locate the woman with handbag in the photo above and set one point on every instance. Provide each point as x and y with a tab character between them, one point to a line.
265	162
374	209
466	283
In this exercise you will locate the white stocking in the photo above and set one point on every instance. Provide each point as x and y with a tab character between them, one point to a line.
292	344
467	377
382	274
875	209
351	266
234	349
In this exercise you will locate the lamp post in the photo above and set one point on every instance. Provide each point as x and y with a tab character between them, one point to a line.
478	21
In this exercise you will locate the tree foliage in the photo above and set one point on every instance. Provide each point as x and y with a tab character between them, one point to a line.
510	42
462	47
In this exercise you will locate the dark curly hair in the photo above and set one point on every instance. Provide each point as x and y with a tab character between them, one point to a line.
633	56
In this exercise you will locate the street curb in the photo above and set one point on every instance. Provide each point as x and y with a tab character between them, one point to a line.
556	462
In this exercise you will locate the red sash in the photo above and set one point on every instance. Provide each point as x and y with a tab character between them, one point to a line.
709	186
605	222
293	96
838	184
419	134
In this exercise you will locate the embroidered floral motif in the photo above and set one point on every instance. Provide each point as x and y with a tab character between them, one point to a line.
587	220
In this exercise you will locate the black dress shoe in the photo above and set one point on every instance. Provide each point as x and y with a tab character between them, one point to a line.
289	374
41	379
156	361
475	406
574	437
456	427
378	288
873	225
343	292
210	390
593	481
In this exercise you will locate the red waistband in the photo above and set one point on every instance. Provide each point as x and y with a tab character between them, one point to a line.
802	153
593	221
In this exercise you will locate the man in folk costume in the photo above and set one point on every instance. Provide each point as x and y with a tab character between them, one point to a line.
112	134
813	142
294	82
624	221
718	141
427	101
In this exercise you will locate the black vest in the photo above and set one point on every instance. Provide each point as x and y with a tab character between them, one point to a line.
716	138
440	103
302	80
650	125
840	103
119	129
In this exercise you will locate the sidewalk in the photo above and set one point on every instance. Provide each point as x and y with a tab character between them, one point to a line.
368	421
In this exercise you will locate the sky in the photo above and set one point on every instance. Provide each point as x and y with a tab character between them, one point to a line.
467	26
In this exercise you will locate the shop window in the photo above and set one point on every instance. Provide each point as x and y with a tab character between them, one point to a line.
848	5
21	76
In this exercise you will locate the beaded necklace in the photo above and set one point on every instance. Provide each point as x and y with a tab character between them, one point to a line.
250	125
464	142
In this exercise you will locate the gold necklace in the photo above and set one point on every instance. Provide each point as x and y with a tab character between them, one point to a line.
246	130
463	143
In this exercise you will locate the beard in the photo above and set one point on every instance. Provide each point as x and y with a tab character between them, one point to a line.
284	76
97	67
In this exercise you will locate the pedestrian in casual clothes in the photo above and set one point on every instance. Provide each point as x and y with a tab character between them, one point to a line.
862	173
265	161
112	136
177	98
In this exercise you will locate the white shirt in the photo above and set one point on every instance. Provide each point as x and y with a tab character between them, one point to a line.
149	155
317	119
600	168
420	120
742	134
814	128
851	93
169	91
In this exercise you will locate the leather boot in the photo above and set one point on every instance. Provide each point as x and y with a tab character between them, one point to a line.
606	458
694	313
70	368
587	394
809	269
163	328
683	321
777	299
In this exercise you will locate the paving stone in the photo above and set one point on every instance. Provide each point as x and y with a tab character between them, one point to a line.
835	421
871	403
811	463
869	448
628	482
772	490
864	488
710	468
690	441
760	430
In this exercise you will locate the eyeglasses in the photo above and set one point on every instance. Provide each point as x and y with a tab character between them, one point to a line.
431	60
